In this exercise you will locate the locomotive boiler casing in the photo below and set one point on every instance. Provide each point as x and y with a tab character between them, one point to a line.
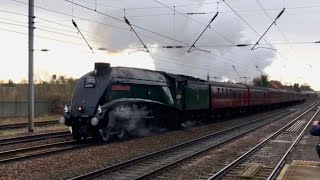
118	90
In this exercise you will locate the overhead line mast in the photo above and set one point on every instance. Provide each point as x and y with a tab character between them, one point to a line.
31	70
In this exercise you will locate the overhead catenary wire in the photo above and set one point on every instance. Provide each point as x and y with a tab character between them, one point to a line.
225	38
198	67
202	24
113	17
42	37
245	10
66	14
193	67
76	26
15	13
279	15
282	34
241	45
13	24
222	12
221	35
129	24
139	26
245	21
236	71
89	20
253	28
183	64
218	45
147	7
63	34
81	44
117	19
12	20
214	17
64	25
271	20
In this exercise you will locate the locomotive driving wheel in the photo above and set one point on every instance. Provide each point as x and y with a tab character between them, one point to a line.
122	133
105	134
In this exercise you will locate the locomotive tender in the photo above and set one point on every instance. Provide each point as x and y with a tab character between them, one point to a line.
121	100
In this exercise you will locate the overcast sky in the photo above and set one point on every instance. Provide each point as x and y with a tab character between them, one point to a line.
291	57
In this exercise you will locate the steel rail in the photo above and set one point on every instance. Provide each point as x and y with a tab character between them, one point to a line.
227	168
30	138
184	145
275	170
24	125
38	151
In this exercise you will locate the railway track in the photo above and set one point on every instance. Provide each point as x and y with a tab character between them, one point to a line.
152	164
41	150
31	138
252	165
23	125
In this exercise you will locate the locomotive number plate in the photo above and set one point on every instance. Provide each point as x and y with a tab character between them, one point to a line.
90	82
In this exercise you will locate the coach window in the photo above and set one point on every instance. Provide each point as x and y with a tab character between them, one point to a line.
222	91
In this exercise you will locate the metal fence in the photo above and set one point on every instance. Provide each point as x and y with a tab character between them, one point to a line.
18	109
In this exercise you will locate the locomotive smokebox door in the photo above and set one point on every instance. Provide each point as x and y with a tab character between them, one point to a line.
101	68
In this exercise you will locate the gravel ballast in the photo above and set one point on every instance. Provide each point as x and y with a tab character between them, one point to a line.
211	162
77	162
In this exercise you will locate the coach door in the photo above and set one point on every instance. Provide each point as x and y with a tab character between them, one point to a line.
180	95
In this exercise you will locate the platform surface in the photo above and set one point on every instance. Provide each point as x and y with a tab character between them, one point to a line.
301	170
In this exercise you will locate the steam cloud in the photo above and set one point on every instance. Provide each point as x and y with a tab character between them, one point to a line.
197	63
133	118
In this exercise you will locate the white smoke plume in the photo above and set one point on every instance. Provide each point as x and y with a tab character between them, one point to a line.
133	118
198	63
